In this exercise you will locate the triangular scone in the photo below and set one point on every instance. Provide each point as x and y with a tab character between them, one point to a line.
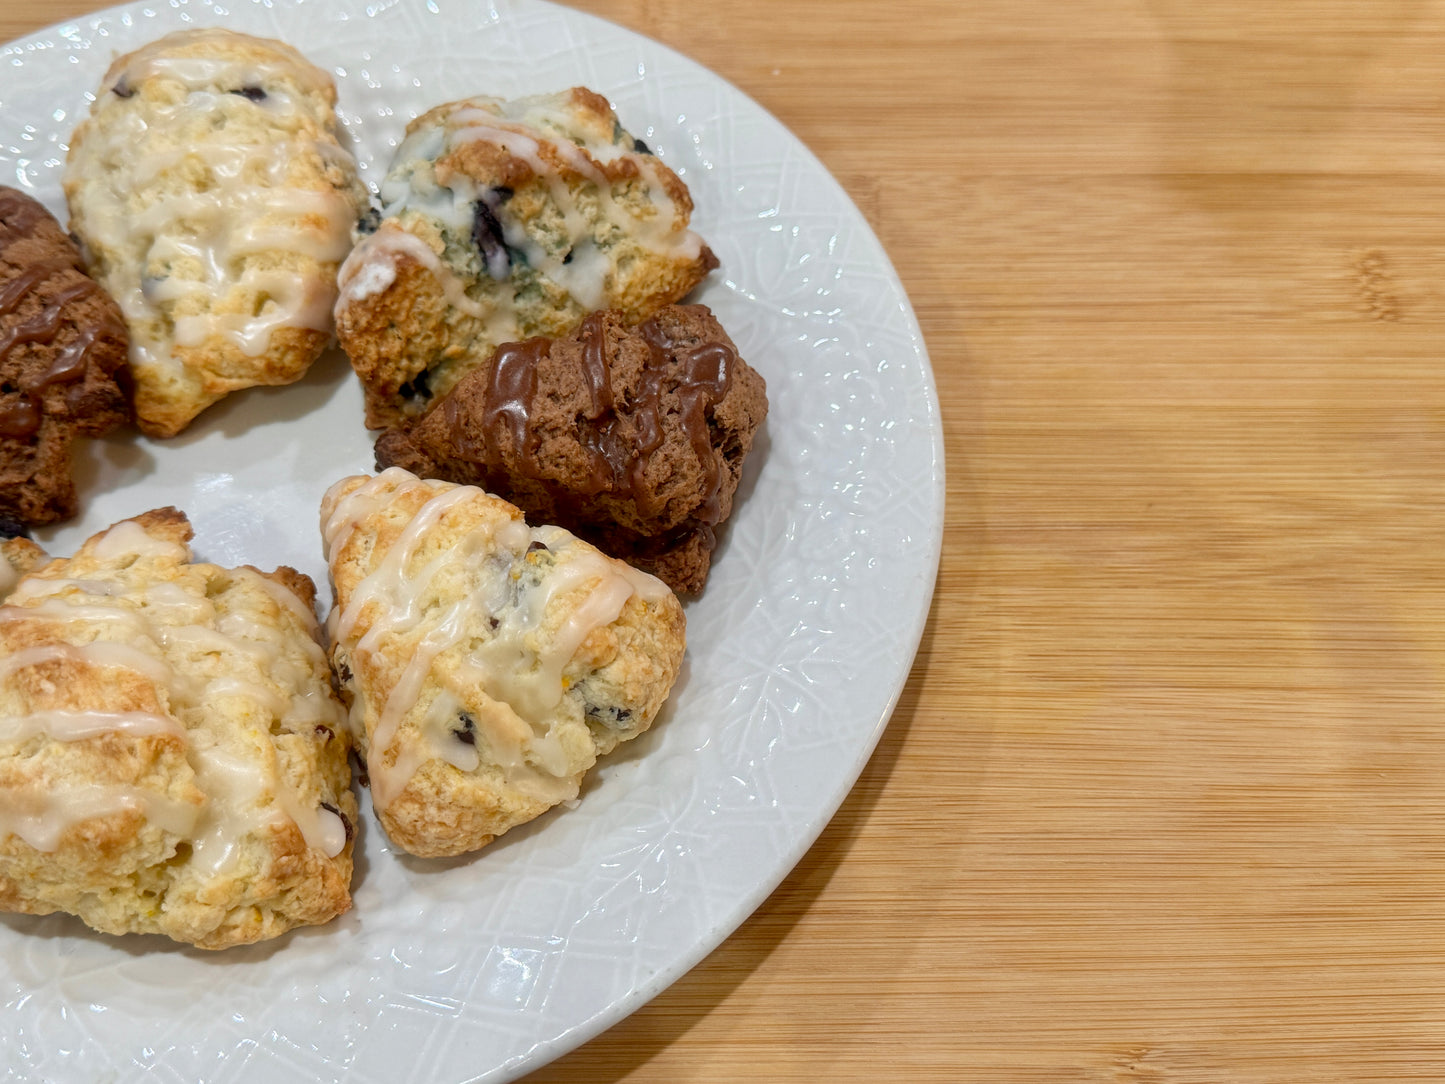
173	759
487	664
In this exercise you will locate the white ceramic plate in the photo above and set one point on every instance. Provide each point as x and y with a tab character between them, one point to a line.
483	968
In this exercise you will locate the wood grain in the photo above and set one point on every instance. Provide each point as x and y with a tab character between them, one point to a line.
1164	799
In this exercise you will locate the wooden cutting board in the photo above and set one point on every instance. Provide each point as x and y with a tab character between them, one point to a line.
1164	800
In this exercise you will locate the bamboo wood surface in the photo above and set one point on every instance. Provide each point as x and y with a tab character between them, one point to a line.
1164	800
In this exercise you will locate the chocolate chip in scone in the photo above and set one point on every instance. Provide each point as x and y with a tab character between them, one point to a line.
250	93
368	222
345	820
466	732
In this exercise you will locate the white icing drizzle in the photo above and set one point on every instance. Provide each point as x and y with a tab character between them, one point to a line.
391	571
129	538
35	587
234	809
81	725
354	499
268	700
371	268
97	653
40	818
322	829
245	205
514	666
362	276
238	772
287	599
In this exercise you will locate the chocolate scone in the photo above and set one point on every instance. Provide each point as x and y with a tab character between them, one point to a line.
631	437
62	359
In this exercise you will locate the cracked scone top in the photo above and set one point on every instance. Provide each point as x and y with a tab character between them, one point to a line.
173	759
487	664
215	202
505	220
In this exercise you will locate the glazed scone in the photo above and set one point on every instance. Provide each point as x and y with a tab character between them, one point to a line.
487	664
173	758
501	221
18	556
634	438
62	362
215	201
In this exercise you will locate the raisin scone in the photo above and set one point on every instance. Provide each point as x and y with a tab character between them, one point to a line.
173	758
634	438
502	221
62	362
487	664
215	201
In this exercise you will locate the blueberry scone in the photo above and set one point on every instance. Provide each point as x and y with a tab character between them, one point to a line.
173	758
215	201
62	362
487	664
501	221
634	438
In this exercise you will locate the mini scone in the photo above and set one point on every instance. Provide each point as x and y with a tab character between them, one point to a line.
502	221
214	200
173	758
632	437
62	362
487	664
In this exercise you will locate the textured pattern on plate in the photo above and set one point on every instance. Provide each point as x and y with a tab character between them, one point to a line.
483	968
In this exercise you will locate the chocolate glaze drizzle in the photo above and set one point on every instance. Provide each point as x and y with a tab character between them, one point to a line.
20	417
619	454
510	390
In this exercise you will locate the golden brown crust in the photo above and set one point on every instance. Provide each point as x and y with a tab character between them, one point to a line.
171	757
539	655
215	200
